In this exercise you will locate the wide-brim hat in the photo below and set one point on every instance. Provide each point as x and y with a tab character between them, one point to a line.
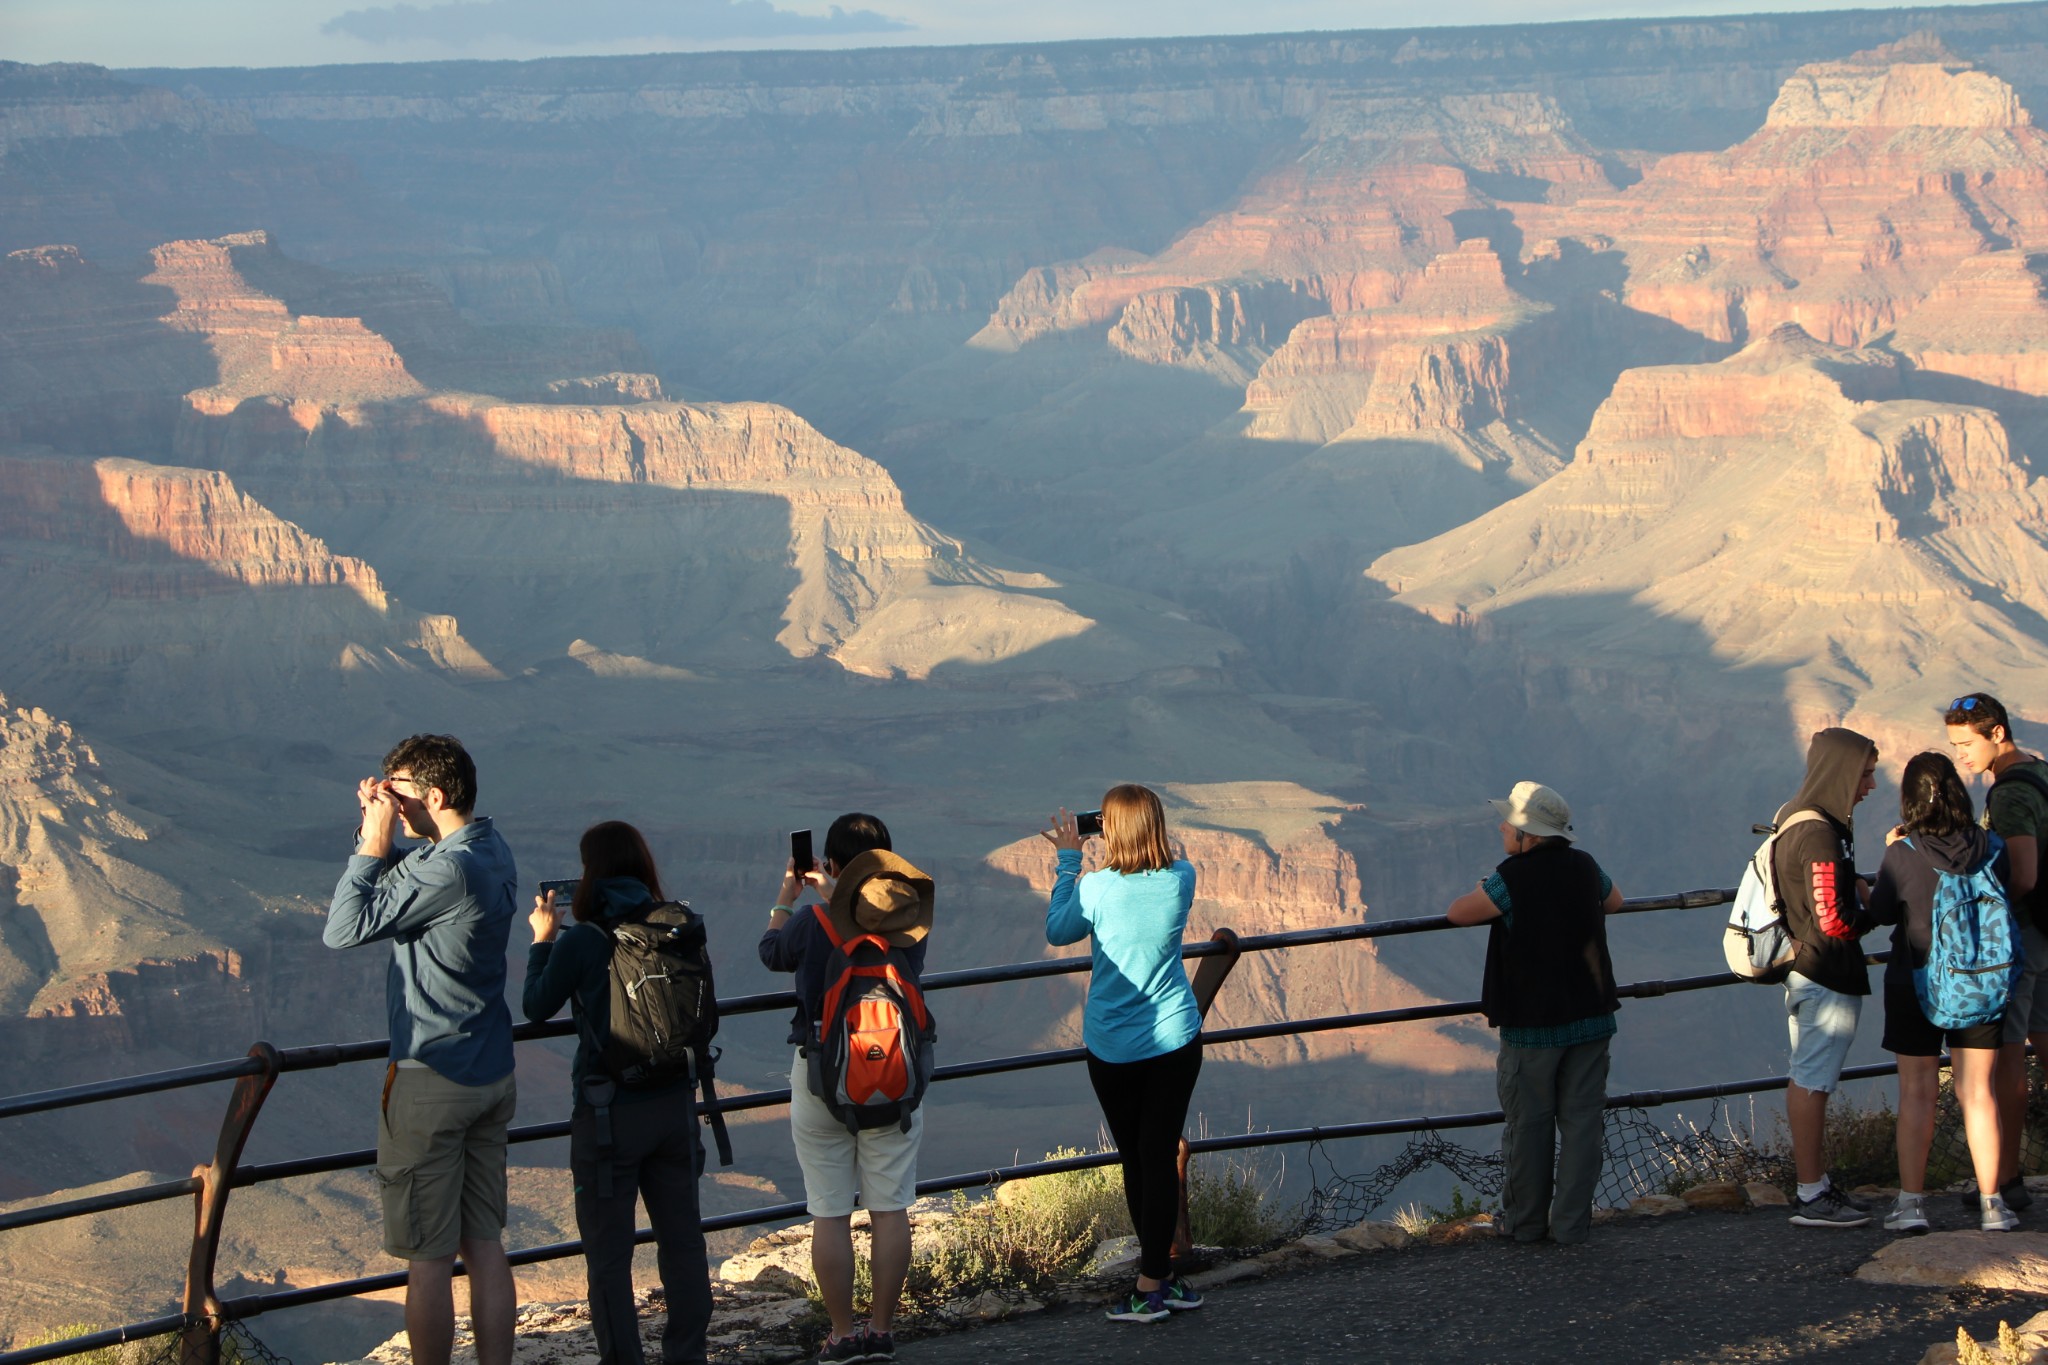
1536	810
881	893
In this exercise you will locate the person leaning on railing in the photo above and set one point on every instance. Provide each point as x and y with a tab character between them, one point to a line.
1549	989
623	1140
1141	1025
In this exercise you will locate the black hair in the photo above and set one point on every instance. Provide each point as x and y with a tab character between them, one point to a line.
1932	797
853	834
437	761
612	849
1982	712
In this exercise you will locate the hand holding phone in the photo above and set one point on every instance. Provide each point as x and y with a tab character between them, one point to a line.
801	859
1088	823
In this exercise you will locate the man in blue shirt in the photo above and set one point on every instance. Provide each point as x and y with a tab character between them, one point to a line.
446	908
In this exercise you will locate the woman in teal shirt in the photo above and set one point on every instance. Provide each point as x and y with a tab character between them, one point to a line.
1141	1025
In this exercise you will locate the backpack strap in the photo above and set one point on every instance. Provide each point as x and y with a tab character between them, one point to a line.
2020	773
1797	817
714	1117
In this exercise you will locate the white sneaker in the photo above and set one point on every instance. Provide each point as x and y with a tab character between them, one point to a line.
1996	1217
1908	1214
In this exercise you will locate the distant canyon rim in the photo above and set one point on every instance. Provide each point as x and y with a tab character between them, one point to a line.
1328	430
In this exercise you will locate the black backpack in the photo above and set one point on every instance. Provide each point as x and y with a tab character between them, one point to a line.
664	1007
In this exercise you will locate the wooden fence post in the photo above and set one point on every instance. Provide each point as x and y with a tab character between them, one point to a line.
199	1342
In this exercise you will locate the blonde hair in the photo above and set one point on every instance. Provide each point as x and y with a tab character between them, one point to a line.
1134	828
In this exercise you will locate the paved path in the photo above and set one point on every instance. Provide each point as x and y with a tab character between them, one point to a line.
1715	1287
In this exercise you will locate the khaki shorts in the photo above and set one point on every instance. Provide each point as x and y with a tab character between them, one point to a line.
441	1162
879	1163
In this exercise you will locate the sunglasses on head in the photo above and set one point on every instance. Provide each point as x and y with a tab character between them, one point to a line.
1963	704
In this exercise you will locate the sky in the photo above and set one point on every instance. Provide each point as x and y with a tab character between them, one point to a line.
135	33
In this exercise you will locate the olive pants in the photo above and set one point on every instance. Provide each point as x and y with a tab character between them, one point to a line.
1555	1100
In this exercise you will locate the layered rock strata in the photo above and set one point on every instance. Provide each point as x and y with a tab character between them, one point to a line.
1786	497
1870	180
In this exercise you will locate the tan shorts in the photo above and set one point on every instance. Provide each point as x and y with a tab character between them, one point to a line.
879	1163
441	1162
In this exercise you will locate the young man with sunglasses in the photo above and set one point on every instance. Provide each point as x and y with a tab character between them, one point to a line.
446	908
1980	731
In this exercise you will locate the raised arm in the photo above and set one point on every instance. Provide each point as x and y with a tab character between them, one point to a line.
384	897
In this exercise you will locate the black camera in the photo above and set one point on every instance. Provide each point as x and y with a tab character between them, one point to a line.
564	891
1088	822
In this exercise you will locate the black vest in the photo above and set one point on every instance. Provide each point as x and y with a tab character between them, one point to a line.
1549	966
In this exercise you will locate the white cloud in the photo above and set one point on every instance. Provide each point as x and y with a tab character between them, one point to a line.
550	23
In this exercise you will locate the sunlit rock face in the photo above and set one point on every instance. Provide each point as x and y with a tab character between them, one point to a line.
1871	179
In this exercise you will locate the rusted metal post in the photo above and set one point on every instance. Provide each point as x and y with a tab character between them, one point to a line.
1208	980
199	1342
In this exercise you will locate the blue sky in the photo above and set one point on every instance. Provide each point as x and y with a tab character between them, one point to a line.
315	32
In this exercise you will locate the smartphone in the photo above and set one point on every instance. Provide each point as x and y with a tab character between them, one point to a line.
565	890
800	856
1088	822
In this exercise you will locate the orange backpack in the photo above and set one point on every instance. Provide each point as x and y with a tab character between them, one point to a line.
871	1052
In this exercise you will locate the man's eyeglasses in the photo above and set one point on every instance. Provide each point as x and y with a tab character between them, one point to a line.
418	786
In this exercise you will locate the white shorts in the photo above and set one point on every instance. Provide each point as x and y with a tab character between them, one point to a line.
878	1163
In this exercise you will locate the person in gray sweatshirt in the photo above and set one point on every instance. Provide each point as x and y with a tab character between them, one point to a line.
1816	874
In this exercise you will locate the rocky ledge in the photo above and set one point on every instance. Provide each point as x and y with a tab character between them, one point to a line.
761	1311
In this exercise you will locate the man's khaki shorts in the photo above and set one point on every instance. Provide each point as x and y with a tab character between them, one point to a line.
441	1162
880	1163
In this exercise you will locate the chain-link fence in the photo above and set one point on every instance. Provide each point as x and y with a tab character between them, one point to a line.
1642	1158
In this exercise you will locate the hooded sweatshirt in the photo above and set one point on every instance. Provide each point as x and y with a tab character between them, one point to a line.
1906	883
1816	868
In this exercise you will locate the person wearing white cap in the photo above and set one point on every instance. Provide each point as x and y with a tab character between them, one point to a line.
1549	989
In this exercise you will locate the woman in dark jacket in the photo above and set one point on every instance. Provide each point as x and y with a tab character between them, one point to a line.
621	1142
1937	833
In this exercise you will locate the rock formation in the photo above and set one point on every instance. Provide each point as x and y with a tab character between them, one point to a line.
1785	496
174	582
1987	322
1871	179
1433	356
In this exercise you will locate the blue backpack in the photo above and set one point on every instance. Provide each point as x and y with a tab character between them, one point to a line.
1974	953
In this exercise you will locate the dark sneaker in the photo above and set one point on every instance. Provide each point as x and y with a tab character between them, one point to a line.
1996	1217
1828	1209
1180	1296
843	1350
881	1345
1908	1214
1136	1307
2013	1191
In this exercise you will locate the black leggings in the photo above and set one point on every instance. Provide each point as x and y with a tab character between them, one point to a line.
1146	1106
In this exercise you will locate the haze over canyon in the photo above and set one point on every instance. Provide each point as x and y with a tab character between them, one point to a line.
1328	430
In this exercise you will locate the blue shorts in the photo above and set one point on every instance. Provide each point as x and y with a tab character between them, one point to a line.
1822	1025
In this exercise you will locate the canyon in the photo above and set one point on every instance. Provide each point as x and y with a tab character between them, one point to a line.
1328	430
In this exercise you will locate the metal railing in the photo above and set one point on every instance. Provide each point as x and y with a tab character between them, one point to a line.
205	1314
